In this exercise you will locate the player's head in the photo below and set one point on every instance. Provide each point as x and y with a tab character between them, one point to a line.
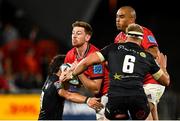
125	16
81	33
55	64
134	32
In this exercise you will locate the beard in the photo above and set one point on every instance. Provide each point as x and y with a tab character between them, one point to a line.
76	45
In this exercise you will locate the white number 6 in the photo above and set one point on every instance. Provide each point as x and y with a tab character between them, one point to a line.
128	65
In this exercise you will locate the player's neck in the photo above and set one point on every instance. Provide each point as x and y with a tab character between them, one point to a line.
81	51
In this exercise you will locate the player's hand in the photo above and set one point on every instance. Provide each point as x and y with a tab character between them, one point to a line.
162	60
66	75
95	103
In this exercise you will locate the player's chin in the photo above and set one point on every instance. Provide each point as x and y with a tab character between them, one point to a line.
118	27
74	44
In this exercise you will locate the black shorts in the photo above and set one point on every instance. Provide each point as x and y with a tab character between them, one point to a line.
135	106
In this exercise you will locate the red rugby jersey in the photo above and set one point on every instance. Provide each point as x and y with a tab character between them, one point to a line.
95	71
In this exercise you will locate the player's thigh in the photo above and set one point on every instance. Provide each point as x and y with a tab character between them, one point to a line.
139	107
116	107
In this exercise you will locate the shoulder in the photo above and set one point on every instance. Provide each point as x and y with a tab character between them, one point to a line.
70	55
110	46
147	31
149	36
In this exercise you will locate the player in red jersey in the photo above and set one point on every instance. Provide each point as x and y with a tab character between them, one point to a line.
125	16
95	78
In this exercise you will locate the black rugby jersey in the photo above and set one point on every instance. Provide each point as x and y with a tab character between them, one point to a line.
128	64
51	103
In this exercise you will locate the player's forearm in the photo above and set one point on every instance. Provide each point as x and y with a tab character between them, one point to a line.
167	77
83	64
162	60
154	51
80	68
89	84
162	77
77	98
74	97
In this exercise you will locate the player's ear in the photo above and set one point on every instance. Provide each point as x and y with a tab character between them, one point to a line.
87	37
131	20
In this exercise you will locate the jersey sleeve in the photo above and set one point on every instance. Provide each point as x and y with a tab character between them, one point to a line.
148	39
105	51
97	71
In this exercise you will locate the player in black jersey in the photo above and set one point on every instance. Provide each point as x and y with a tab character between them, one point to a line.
128	64
54	93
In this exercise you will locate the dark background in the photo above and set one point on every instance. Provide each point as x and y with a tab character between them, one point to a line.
54	18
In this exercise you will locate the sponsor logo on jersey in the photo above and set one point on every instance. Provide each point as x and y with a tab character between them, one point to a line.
151	39
142	54
117	76
97	69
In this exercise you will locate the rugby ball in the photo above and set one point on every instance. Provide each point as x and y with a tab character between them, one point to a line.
65	66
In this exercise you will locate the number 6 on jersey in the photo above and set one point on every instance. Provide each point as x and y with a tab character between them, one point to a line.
128	65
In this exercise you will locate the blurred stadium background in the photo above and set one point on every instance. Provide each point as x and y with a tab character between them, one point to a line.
33	31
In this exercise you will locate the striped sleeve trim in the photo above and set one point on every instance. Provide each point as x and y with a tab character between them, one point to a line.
100	56
158	74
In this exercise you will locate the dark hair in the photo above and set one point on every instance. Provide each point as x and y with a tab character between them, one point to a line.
55	63
85	25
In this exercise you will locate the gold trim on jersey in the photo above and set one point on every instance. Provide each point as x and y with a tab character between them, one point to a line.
158	74
100	56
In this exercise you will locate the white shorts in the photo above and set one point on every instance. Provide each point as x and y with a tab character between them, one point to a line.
100	114
154	92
